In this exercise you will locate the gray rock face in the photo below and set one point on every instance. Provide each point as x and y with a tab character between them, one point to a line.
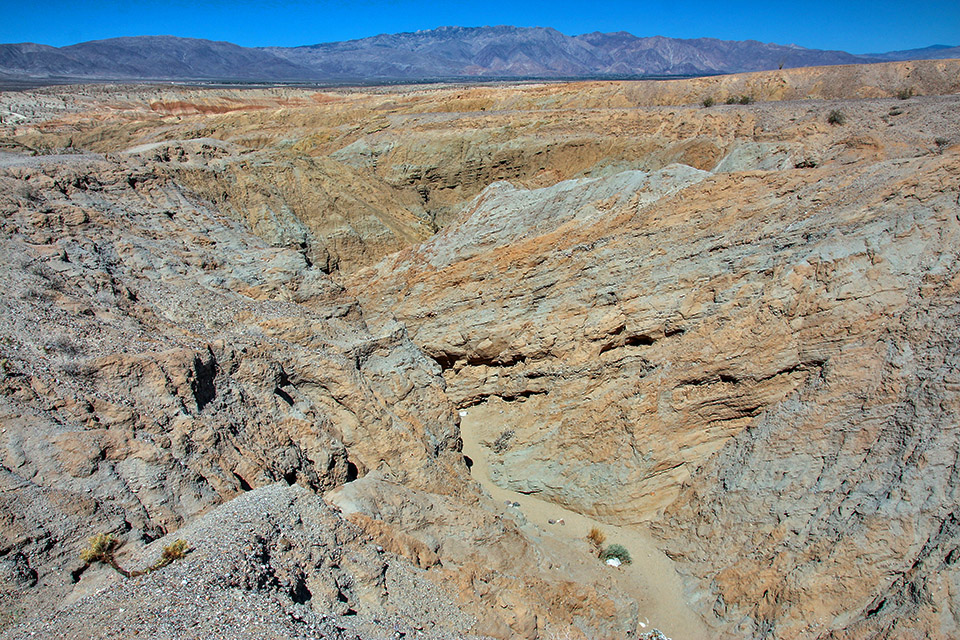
164	373
274	562
503	215
155	364
762	361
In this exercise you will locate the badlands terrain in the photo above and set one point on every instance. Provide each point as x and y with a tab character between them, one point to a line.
383	357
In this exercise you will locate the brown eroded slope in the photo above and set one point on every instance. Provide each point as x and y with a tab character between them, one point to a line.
421	153
758	361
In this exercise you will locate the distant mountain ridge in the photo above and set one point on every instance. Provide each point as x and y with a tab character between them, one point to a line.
545	52
443	53
146	57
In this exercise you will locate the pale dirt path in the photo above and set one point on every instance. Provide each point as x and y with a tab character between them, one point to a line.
651	579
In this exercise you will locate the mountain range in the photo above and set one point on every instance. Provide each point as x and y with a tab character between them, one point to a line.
438	54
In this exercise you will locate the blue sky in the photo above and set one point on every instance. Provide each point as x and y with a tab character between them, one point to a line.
858	27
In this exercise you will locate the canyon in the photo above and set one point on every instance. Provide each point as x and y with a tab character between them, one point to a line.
384	356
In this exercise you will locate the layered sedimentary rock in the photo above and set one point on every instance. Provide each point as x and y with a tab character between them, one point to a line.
337	217
761	359
160	360
440	148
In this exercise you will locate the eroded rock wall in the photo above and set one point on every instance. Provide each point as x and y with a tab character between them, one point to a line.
352	175
759	360
159	360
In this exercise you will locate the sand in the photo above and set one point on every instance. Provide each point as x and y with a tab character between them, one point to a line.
651	579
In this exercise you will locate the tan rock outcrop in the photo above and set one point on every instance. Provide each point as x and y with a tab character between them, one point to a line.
337	216
159	361
758	361
351	176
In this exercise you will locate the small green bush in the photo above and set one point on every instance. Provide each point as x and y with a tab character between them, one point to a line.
905	94
732	100
745	99
502	443
101	548
836	117
617	551
708	102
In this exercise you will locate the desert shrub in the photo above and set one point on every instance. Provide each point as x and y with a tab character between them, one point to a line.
732	100
745	99
502	443
101	547
708	102
596	538
63	343
45	274
73	368
42	295
617	551
171	553
905	94
836	117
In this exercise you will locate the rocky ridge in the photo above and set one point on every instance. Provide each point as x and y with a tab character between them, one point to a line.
443	53
421	154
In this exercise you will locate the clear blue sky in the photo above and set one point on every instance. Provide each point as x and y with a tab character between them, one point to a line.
858	27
